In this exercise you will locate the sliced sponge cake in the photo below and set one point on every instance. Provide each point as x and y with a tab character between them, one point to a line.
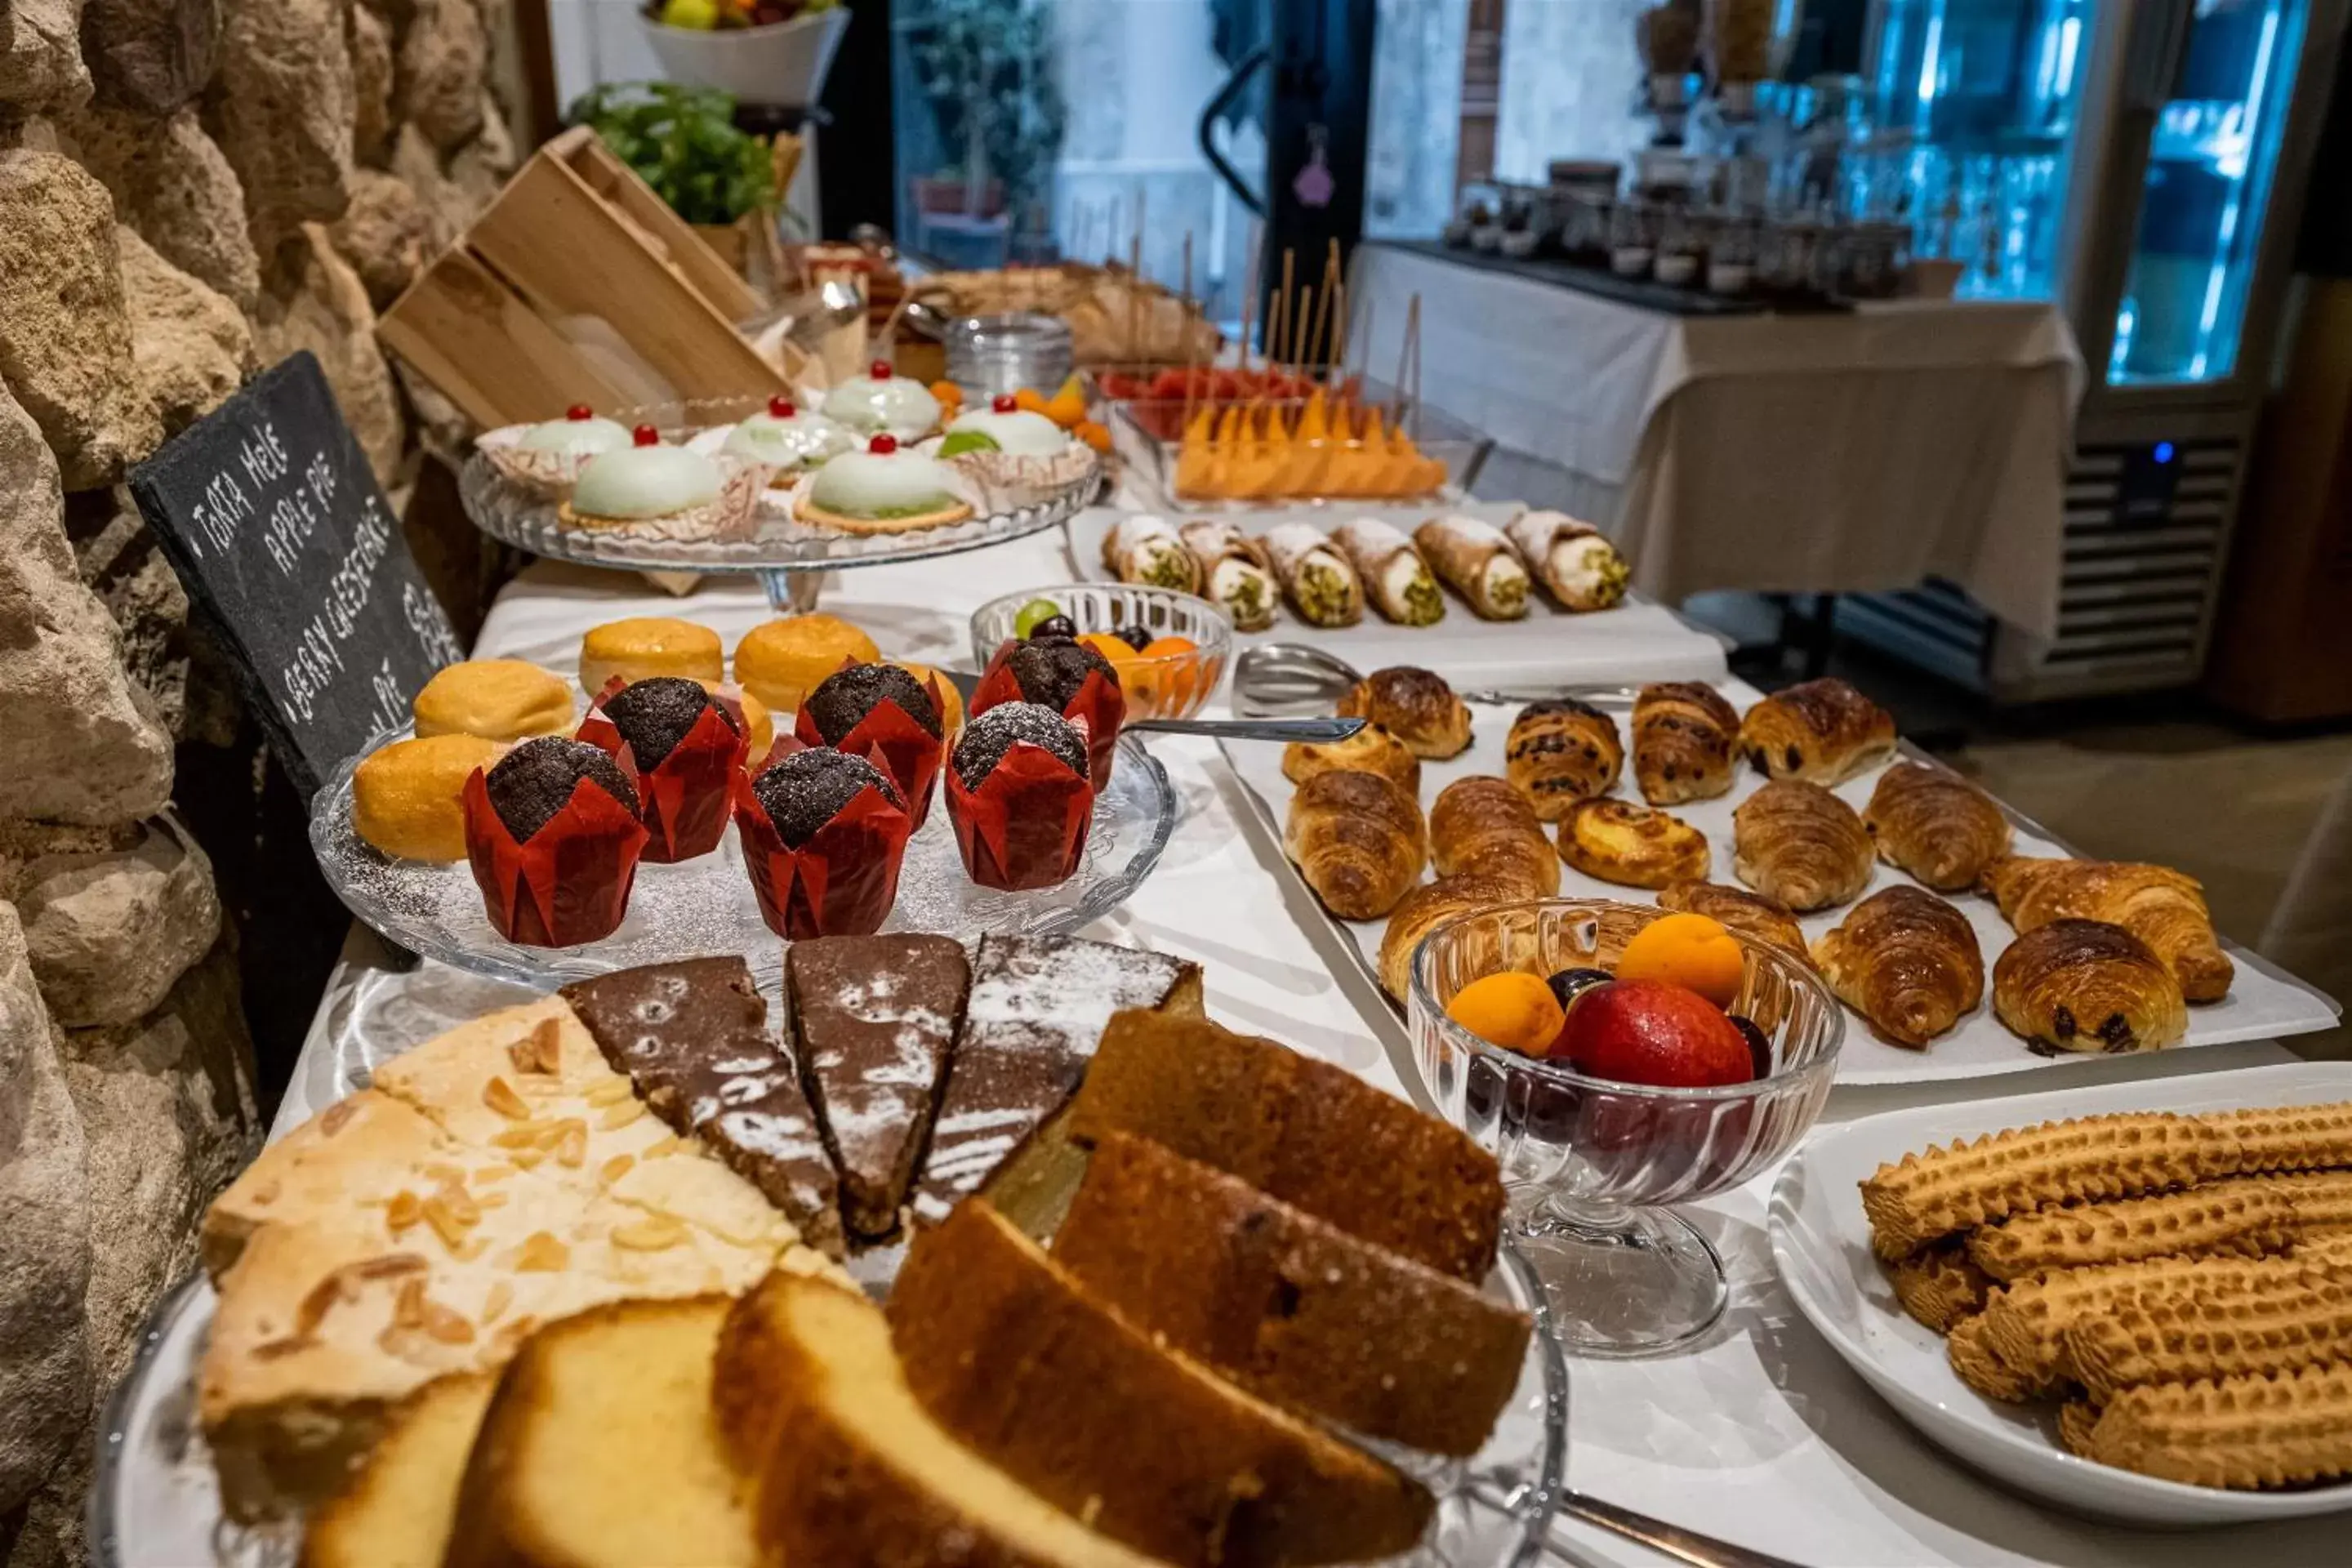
396	1511
1020	1362
852	1471
1293	1309
600	1449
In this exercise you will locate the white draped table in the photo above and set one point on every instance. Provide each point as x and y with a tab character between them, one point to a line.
1832	452
1760	1434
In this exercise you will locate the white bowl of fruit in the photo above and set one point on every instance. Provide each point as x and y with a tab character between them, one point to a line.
758	51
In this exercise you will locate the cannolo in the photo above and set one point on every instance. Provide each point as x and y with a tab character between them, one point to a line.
2250	1219
1144	548
2236	1432
2277	1325
2025	1323
1233	571
1932	1194
1477	562
1575	564
1396	577
1940	1287
1315	575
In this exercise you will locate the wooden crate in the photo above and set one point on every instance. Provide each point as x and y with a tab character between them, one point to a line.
577	285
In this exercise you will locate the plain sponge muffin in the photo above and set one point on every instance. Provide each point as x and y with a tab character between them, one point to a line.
497	699
643	647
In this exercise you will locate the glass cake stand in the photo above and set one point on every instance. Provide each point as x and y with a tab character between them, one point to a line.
154	1502
706	905
790	557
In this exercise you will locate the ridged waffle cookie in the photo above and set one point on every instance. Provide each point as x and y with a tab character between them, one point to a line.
2250	1219
2289	1137
1939	1287
2236	1432
2025	1324
2280	1323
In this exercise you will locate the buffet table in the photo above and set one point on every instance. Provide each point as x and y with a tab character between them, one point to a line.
1831	452
1761	1435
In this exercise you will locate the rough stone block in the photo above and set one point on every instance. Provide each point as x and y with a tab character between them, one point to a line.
190	345
284	103
110	934
152	56
172	183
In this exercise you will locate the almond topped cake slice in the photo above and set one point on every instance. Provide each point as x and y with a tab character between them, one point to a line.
694	1039
873	1017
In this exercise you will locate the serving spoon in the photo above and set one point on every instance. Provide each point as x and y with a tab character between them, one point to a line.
1320	731
1275	677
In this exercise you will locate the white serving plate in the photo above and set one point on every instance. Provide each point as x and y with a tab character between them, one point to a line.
2263	1003
1636	640
1821	1243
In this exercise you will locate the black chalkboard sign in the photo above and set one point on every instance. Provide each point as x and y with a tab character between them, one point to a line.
269	514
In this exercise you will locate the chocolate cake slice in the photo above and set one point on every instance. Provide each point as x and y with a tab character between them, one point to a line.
1038	1004
693	1038
875	1016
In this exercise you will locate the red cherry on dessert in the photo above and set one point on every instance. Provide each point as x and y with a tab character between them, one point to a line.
781	406
1003	403
885	444
645	436
580	411
879	370
1653	1031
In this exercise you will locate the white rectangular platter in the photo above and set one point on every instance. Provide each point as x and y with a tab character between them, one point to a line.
2262	1003
1821	1243
1636	640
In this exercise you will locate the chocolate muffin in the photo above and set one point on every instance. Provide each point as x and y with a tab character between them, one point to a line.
534	781
808	789
1049	673
841	701
654	715
990	734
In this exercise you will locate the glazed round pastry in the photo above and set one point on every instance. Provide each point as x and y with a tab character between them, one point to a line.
638	482
788	437
778	661
497	699
759	725
879	401
881	485
646	646
951	699
1020	433
407	798
579	434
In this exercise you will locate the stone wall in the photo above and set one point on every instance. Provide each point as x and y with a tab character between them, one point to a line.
189	190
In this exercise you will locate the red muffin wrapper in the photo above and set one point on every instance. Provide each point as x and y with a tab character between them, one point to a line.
689	794
1098	708
1026	827
842	881
567	883
890	738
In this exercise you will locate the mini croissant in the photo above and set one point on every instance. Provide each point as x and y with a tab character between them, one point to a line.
2163	908
1936	824
1799	844
1907	961
1358	841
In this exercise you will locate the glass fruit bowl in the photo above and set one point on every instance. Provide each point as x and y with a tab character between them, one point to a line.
1592	1164
1161	686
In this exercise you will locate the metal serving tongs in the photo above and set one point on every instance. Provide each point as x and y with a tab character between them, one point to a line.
1684	1546
1287	677
1314	732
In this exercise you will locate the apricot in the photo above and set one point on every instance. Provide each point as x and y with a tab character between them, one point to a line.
1513	1010
1689	951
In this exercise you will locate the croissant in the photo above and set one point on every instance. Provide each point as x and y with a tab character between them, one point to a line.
1425	909
1370	749
1799	844
1481	824
1561	752
1358	841
1823	731
2162	907
2087	985
1934	825
1684	736
1907	961
1750	914
1414	705
1631	846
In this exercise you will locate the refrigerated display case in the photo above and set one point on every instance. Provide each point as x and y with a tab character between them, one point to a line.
2142	166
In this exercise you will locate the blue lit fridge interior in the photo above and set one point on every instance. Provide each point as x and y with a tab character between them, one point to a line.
1979	101
2208	190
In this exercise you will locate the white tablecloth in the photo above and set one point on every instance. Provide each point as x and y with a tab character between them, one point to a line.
1837	452
1759	1435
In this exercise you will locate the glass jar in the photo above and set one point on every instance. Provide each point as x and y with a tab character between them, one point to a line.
1786	254
1681	258
1731	256
990	354
1633	238
1584	225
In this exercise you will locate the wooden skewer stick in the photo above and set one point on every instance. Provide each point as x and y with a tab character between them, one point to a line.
1316	342
1405	348
1332	372
1135	282
1289	257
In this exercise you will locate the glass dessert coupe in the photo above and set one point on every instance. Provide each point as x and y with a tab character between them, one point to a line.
1592	1165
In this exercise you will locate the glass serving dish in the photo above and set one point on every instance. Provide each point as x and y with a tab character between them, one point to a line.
1166	686
1593	1165
1149	435
154	1501
706	905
